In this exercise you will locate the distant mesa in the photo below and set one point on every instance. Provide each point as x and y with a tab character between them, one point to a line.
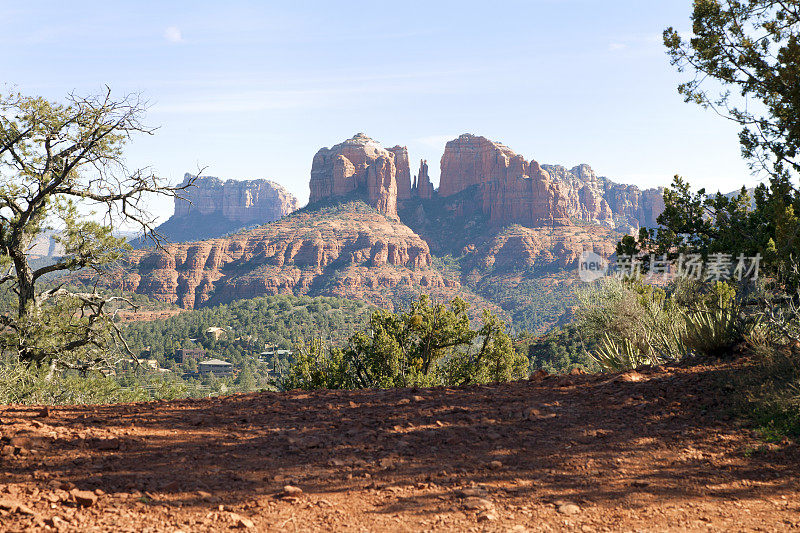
242	201
212	207
45	245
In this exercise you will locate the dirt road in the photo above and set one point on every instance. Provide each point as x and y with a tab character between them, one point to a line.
643	451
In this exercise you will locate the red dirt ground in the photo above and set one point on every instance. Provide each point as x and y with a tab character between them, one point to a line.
643	451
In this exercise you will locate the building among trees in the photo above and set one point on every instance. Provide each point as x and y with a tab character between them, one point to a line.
216	366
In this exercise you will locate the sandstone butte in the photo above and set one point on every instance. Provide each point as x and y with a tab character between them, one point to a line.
507	187
361	164
351	250
245	201
511	189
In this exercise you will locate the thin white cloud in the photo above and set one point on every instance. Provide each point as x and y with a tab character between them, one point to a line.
316	93
173	34
637	41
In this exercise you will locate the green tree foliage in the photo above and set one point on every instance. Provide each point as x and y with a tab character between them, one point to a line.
246	380
430	343
561	350
751	49
630	323
57	162
253	325
318	366
22	383
699	223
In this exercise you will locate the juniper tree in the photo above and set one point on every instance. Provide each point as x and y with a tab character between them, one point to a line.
59	164
745	59
429	343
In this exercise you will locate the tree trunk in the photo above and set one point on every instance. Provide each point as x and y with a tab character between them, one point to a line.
26	294
26	287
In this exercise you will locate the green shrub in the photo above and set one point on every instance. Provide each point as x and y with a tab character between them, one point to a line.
20	383
559	351
427	344
638	324
619	355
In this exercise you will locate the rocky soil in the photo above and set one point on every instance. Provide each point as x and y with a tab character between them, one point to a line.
654	450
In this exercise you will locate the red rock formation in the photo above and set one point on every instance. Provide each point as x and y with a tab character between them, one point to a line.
242	201
529	200
521	247
512	190
382	185
359	254
403	172
471	160
651	206
348	167
423	188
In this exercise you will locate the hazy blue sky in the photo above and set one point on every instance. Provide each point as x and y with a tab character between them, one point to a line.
253	89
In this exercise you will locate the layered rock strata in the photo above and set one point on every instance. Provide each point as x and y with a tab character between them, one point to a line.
359	254
236	200
514	190
362	164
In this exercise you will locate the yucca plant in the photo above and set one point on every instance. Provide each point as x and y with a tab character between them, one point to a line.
713	331
619	355
716	327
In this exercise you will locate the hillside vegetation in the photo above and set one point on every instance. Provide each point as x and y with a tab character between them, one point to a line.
250	327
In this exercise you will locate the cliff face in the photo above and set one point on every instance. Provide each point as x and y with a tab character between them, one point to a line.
423	188
362	164
472	160
599	200
403	172
257	201
508	188
513	190
520	247
349	252
213	207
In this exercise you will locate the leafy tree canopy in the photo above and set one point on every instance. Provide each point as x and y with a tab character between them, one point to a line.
745	57
59	161
430	343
